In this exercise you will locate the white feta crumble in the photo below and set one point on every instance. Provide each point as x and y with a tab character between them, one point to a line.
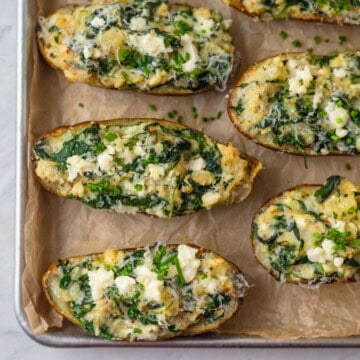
189	48
339	73
125	284
152	286
156	171
300	81
338	116
211	285
77	166
205	26
316	255
99	280
323	253
197	164
328	246
87	51
138	23
341	133
188	262
338	261
210	198
105	161
338	224
150	44
97	22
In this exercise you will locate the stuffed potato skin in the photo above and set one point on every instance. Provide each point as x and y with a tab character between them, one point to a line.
310	234
338	12
147	46
301	103
155	167
149	294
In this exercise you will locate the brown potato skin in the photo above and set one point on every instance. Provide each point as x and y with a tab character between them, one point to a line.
287	149
312	18
188	332
253	240
254	164
163	90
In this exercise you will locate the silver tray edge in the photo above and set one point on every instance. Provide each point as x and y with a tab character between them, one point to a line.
52	338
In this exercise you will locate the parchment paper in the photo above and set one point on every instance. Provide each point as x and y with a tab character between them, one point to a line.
57	228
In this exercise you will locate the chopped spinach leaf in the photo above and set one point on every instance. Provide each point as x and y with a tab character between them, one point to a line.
332	183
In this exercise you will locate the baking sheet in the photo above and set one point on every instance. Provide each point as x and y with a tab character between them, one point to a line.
56	228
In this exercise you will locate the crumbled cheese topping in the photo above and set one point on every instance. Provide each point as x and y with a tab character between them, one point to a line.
152	287
189	49
188	262
77	166
126	285
99	280
150	44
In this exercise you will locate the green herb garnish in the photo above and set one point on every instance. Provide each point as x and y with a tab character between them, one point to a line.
296	43
283	35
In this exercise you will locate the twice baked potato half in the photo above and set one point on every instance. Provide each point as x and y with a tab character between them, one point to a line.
310	234
148	46
150	293
301	103
155	167
338	12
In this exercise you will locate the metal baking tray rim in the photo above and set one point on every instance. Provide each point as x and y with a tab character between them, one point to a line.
52	338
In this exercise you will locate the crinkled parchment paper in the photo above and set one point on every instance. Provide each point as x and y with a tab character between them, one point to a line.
57	228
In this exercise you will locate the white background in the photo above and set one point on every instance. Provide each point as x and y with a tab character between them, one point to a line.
14	343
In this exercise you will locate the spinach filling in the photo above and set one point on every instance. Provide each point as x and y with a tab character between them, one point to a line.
215	308
332	183
88	141
130	263
79	309
280	226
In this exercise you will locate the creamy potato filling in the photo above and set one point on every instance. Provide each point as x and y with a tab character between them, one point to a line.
147	293
302	103
311	234
344	10
142	166
139	44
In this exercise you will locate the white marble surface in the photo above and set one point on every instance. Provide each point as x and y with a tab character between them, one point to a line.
14	343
